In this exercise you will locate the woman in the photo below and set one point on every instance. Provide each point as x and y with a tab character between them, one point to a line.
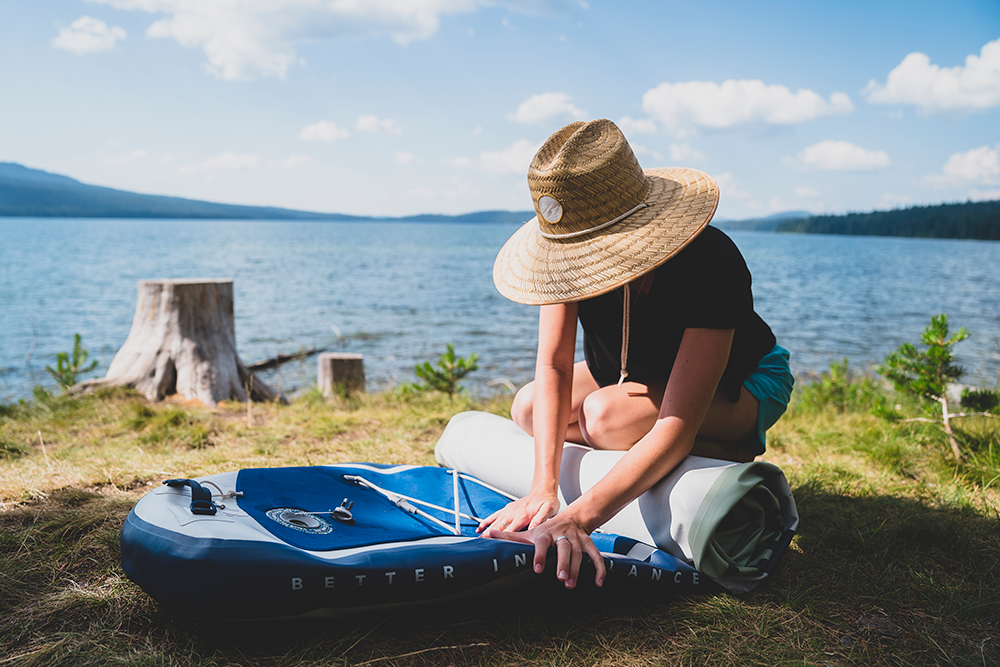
677	361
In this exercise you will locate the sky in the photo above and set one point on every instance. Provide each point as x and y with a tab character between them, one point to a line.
400	107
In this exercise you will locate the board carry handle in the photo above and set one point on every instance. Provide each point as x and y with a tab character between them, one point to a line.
201	498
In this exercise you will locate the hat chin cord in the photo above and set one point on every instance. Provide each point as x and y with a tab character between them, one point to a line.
626	308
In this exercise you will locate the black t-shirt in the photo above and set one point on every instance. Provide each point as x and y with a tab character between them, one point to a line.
706	286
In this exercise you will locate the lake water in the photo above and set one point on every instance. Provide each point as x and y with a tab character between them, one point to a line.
399	292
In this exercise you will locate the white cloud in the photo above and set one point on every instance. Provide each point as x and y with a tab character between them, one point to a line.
730	187
227	161
806	191
246	38
512	160
547	106
88	35
230	160
120	158
642	151
890	201
833	155
403	157
683	152
975	194
323	130
632	126
932	88
459	190
293	161
421	193
374	124
714	105
979	166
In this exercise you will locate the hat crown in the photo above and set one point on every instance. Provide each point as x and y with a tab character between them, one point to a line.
584	177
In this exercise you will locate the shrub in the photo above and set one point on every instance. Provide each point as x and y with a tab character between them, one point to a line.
839	389
981	400
445	377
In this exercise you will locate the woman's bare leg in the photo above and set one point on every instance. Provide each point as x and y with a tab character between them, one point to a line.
616	418
583	385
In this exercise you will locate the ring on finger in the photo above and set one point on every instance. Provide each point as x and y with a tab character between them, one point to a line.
561	537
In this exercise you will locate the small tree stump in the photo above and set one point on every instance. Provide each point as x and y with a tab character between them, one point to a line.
341	369
183	340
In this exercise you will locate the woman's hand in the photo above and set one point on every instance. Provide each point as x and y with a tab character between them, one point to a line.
571	541
526	512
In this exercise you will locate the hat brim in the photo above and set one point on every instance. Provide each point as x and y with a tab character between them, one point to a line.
536	270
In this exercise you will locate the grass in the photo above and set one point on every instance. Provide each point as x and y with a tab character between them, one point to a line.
895	562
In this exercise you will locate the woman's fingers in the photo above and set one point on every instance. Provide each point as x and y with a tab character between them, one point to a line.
544	513
595	556
488	521
570	549
508	518
526	512
569	554
546	529
515	521
510	537
564	559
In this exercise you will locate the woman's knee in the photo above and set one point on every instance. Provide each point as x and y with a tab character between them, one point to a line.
601	422
617	417
522	407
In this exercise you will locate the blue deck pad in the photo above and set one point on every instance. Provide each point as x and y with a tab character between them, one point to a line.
376	519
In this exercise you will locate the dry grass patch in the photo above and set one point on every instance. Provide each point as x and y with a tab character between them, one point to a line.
894	564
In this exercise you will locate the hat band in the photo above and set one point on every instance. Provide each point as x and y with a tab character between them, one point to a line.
570	235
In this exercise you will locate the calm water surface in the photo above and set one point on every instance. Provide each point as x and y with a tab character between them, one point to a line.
399	292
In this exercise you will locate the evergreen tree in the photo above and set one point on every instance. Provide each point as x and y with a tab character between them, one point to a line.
926	373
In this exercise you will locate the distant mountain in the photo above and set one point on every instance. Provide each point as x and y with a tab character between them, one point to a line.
28	192
31	192
513	217
766	224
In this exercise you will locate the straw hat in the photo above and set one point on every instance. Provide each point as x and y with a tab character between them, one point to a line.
601	220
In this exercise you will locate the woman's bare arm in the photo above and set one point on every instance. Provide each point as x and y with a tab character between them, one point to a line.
550	417
694	380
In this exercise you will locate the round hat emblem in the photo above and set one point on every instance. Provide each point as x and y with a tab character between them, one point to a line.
550	209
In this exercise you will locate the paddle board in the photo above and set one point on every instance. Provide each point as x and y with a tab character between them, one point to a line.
336	539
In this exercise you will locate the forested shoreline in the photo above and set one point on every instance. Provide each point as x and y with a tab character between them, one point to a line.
969	220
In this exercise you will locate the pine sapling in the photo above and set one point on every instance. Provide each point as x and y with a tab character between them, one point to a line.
450	370
926	373
66	371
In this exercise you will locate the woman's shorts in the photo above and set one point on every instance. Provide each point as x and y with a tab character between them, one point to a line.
771	384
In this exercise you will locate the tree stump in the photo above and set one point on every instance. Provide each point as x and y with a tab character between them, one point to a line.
183	341
341	369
